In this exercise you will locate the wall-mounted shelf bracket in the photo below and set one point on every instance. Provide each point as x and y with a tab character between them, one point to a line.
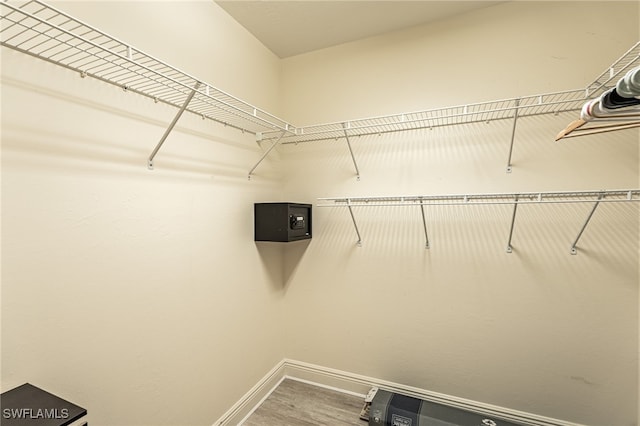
513	222
355	225
574	250
273	145
345	126
172	125
513	135
39	30
511	199
424	224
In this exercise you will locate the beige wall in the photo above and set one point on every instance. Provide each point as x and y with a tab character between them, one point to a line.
138	294
142	296
537	330
473	58
207	43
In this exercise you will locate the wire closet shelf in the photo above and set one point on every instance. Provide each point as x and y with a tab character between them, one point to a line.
526	106
555	197
515	199
42	31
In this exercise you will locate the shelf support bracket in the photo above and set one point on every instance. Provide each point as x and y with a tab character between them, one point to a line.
513	222
513	134
574	250
355	225
346	136
424	224
267	152
172	125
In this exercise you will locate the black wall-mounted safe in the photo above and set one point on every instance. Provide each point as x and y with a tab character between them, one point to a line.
282	222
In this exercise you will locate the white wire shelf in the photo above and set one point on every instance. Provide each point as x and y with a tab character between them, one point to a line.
514	199
556	197
512	109
44	32
609	77
548	103
40	30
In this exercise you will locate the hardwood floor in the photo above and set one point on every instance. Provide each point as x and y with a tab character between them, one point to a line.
295	403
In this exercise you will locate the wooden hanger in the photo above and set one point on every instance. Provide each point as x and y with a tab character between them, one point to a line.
575	129
625	118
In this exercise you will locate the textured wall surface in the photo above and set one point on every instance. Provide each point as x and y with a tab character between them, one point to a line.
142	296
537	330
137	294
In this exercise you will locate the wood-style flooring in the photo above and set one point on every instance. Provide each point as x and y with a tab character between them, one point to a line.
295	403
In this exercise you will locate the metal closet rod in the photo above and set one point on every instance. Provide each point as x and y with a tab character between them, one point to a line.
512	198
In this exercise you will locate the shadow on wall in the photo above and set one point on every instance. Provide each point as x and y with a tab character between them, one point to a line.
293	254
281	260
119	131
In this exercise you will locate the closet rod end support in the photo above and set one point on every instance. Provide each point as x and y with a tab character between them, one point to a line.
359	243
509	249
574	251
150	164
509	169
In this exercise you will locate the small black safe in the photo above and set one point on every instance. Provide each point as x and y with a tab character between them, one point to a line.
282	222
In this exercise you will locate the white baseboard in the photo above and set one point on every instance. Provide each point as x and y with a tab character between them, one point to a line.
359	385
252	399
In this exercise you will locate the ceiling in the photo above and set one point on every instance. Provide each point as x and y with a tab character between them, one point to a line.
289	28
